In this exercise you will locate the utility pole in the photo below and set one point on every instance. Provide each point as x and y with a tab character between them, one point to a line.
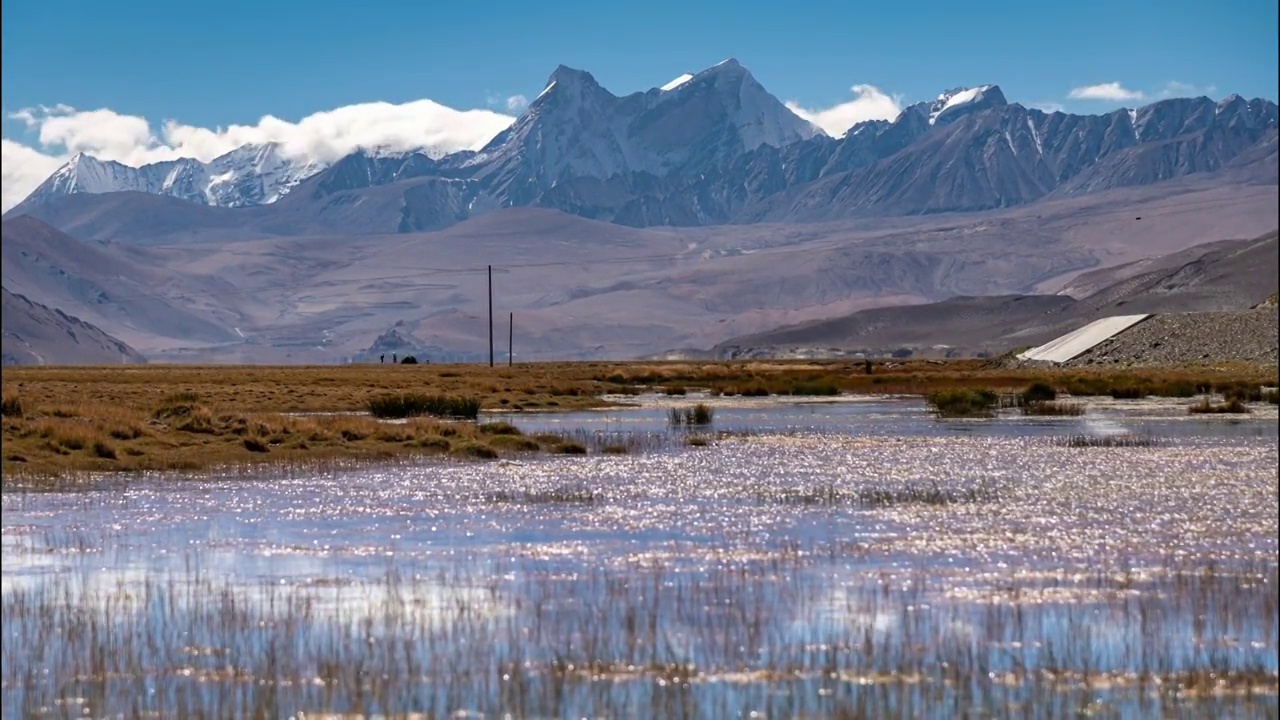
490	316
511	333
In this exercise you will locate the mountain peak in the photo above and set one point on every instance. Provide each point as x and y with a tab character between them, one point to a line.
728	69
81	158
567	76
958	101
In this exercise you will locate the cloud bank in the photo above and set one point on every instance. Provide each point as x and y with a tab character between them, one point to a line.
869	103
62	131
1112	91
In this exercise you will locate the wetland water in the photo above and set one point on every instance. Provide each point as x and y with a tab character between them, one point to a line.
852	558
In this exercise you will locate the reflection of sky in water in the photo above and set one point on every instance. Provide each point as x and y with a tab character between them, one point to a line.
1209	491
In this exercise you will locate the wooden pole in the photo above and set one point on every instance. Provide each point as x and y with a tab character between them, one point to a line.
511	333
490	316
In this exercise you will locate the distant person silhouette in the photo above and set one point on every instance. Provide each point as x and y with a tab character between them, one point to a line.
382	358
393	358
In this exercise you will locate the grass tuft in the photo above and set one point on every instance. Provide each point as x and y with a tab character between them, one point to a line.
569	447
1053	408
1039	392
514	443
103	450
499	428
473	449
697	416
1230	407
963	403
11	405
405	405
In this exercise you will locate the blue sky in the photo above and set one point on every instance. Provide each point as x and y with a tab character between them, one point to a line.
215	64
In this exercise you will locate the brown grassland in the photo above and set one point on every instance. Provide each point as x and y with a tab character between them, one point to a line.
59	421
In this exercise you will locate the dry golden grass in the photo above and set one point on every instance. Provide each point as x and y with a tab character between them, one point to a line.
67	440
59	420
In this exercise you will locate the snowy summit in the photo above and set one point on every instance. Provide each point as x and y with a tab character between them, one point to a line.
677	82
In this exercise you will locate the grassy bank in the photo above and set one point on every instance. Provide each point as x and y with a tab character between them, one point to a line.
64	419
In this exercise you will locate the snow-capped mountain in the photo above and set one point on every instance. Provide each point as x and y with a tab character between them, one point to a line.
957	102
248	175
576	129
715	147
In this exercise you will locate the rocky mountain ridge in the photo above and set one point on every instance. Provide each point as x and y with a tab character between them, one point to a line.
717	148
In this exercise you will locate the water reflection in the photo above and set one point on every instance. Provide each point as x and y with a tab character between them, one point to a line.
850	557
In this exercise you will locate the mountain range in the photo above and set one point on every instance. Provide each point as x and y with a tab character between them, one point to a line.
677	217
717	148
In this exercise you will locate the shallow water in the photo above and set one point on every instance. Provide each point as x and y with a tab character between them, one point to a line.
852	556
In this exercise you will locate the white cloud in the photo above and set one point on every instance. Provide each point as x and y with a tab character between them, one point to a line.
1113	91
869	103
516	103
24	169
62	131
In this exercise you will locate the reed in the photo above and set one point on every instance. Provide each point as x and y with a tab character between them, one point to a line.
1232	406
646	637
1053	408
963	403
405	405
699	415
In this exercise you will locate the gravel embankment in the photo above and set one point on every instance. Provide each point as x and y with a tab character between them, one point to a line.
1176	339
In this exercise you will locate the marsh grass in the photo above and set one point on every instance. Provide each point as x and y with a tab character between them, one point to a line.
11	405
963	403
1231	406
1039	392
607	442
159	417
932	494
787	634
699	415
180	436
1053	408
499	428
514	443
409	404
569	447
475	450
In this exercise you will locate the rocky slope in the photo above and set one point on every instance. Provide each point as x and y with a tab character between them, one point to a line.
1193	337
38	335
1215	277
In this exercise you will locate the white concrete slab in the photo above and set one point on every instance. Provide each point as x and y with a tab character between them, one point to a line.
1077	341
